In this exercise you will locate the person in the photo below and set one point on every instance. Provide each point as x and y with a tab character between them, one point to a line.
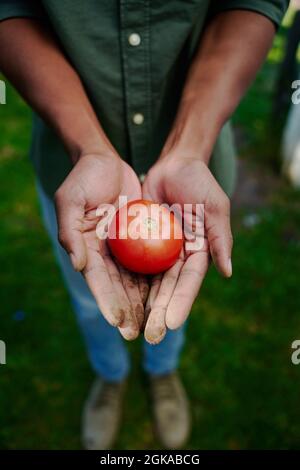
286	112
124	92
290	144
288	71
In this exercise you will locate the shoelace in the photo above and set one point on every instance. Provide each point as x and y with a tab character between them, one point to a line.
164	389
107	395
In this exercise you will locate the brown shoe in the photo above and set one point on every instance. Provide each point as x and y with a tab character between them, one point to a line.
171	410
102	415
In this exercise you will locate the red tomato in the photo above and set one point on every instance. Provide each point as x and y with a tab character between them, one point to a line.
145	237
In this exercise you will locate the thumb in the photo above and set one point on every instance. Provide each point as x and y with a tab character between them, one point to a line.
70	216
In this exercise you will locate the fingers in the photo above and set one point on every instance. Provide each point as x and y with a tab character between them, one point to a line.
70	217
155	329
100	284
218	231
187	287
129	327
143	287
154	288
131	286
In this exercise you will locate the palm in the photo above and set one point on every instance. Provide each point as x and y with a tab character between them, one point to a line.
108	192
170	191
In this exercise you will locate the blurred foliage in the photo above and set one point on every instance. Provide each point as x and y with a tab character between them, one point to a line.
236	363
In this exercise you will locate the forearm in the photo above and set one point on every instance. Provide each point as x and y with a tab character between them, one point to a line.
231	51
32	60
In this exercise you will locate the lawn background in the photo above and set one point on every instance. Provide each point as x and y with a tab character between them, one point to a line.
236	363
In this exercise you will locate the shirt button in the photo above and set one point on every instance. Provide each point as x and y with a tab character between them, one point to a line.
138	119
134	39
142	177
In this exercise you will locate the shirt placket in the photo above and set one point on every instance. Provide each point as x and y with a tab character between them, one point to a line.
135	47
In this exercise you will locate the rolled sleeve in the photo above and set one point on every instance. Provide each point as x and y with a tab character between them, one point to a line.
19	9
272	9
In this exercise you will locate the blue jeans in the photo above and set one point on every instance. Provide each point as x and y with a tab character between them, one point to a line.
105	346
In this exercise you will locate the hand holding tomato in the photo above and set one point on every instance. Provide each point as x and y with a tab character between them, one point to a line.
186	180
96	180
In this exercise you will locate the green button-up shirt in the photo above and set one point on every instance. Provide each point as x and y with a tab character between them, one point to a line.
132	56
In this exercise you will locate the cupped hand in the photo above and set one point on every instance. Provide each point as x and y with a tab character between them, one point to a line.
97	180
176	180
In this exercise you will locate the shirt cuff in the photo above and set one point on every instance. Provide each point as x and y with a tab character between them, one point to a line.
274	10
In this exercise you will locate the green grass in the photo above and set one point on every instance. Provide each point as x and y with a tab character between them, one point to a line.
236	362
